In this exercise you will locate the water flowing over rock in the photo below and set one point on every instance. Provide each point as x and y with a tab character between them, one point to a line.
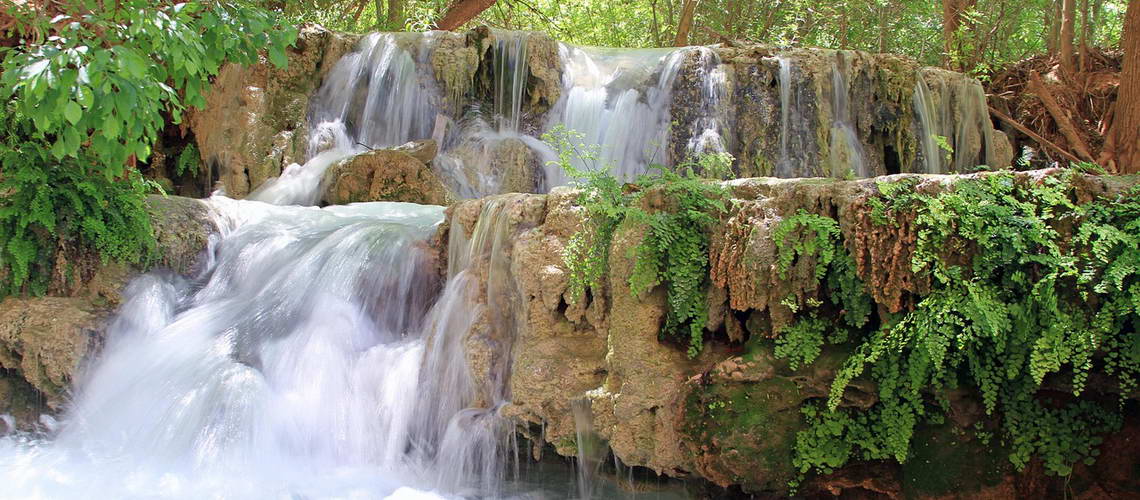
44	341
395	349
779	112
256	118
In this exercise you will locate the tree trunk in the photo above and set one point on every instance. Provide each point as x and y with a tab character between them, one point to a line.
952	12
1053	21
461	12
1068	21
686	23
396	13
1124	136
843	26
379	13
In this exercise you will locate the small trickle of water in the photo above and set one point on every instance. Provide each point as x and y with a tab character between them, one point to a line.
845	147
929	126
509	57
592	450
785	167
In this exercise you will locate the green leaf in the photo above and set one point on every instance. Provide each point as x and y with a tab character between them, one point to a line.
72	112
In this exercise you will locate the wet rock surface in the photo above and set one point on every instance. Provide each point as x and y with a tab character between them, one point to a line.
384	175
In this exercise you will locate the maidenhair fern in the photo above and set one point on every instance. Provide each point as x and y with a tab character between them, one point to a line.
675	248
1013	302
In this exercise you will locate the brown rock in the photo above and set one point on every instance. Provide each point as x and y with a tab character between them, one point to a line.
255	122
383	175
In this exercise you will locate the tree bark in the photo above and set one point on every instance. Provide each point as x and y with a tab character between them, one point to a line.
396	13
686	23
1053	21
952	11
1124	136
1082	62
461	12
1068	21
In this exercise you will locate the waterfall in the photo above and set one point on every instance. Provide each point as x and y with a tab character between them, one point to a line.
846	151
707	130
929	126
618	101
785	167
380	95
509	59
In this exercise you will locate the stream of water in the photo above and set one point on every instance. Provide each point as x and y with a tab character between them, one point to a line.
318	353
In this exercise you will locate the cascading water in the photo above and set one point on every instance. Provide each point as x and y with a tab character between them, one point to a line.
845	147
929	126
307	359
618	101
784	166
380	95
509	58
707	129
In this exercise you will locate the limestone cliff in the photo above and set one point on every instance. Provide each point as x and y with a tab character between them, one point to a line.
730	415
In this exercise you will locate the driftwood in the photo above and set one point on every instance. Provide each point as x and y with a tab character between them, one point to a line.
1037	86
1033	135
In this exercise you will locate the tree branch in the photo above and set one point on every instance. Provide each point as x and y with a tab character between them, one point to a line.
461	12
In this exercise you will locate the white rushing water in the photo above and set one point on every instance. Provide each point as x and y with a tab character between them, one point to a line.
784	167
314	356
929	126
618	102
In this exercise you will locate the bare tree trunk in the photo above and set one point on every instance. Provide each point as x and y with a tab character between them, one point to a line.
1123	145
1053	21
686	23
1083	62
843	26
396	12
1068	20
654	26
461	12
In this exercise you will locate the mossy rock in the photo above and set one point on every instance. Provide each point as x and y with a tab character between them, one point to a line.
744	433
948	461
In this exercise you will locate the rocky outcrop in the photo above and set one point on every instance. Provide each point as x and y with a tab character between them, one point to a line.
256	117
384	175
44	340
730	415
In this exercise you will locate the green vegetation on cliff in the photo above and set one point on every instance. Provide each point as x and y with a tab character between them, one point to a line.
1032	295
678	205
83	98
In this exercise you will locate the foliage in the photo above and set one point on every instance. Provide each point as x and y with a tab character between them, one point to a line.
993	32
84	98
674	250
1014	302
51	200
189	160
810	236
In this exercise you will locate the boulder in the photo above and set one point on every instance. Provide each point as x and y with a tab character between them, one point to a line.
424	150
382	175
